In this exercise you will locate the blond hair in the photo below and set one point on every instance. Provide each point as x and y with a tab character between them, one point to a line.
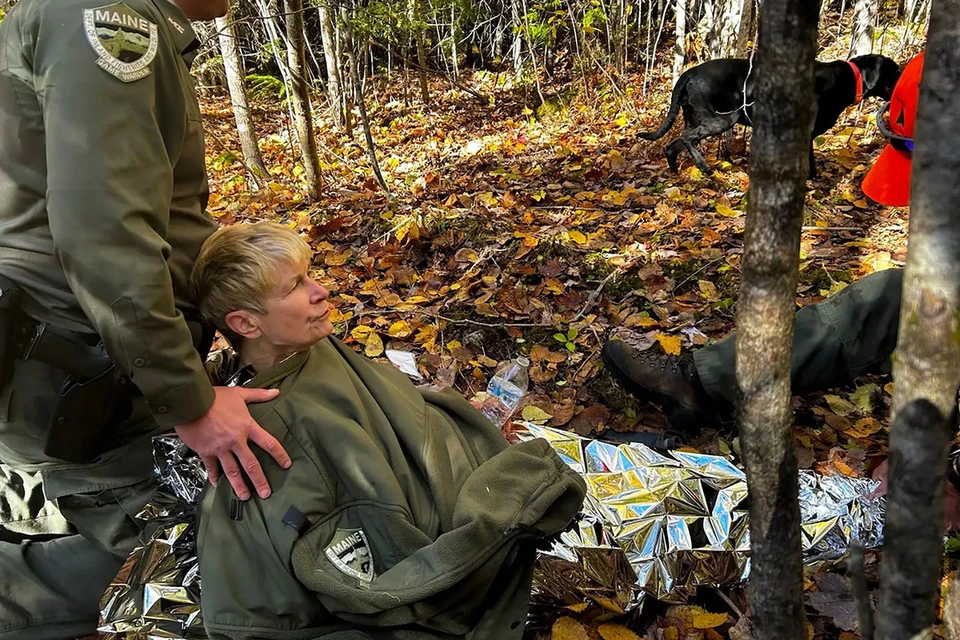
238	266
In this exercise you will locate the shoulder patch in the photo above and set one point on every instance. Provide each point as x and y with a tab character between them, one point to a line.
349	552
125	41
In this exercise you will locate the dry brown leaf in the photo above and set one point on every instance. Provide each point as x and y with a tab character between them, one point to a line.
538	353
670	344
616	632
567	628
708	289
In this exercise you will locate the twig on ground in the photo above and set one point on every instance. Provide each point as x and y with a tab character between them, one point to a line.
731	604
595	294
696	273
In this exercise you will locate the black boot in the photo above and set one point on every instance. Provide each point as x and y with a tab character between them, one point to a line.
649	375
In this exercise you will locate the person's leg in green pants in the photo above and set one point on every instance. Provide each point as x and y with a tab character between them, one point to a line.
851	333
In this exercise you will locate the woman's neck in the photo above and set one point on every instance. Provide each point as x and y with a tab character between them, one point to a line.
260	355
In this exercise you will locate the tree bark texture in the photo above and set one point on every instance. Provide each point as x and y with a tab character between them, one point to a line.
783	118
864	17
233	69
334	85
726	27
680	46
300	95
927	361
748	26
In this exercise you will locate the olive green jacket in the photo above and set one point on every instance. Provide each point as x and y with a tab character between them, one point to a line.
102	183
405	514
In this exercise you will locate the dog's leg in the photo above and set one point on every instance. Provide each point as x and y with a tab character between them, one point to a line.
673	150
708	128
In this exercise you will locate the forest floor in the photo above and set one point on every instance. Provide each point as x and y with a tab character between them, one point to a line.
544	230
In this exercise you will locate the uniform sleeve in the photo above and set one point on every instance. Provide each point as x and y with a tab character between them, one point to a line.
109	190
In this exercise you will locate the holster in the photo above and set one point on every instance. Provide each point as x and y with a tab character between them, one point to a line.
95	395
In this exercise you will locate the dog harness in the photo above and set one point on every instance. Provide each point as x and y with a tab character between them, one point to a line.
859	77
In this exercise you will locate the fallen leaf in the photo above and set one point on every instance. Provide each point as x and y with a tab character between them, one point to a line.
616	632
727	212
706	620
577	237
670	344
585	422
864	396
839	406
671	633
487	361
888	388
708	289
535	414
362	333
580	607
837	422
834	600
399	329
864	428
374	346
567	628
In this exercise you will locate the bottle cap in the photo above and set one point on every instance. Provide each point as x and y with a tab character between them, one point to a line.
522	361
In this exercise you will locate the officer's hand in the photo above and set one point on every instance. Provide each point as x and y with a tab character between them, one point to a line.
221	437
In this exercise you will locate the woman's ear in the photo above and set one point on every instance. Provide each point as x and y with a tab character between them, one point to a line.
244	324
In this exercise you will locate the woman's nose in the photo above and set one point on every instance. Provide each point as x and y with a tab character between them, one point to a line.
319	292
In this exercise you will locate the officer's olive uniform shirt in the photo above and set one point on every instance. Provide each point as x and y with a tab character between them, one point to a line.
102	183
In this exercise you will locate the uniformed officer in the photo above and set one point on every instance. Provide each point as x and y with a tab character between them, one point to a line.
102	197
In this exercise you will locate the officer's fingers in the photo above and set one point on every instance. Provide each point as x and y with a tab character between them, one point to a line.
230	469
251	466
213	468
260	437
258	395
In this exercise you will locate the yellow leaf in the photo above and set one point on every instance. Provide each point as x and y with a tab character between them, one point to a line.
707	620
577	237
616	632
338	316
531	413
708	289
864	428
695	173
374	346
568	629
580	607
671	633
888	388
727	212
361	333
399	329
486	361
670	344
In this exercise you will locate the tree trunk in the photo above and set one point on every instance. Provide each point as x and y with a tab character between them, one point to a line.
413	15
361	107
927	367
783	119
300	96
233	69
723	41
748	27
334	84
680	46
864	17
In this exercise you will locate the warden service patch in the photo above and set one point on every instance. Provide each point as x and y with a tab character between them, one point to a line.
125	41
349	552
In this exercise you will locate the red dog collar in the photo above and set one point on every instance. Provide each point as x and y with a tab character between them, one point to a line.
859	77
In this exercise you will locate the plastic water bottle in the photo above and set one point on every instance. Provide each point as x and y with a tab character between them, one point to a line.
505	390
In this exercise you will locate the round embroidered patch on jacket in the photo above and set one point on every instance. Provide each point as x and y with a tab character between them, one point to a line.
125	41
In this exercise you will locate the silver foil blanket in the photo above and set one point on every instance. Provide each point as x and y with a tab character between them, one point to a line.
156	593
653	524
663	524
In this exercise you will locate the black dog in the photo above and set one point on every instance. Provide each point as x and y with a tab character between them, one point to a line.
712	97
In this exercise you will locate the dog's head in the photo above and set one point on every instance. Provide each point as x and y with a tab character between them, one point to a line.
880	75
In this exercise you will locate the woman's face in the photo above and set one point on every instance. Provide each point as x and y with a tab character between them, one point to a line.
298	314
